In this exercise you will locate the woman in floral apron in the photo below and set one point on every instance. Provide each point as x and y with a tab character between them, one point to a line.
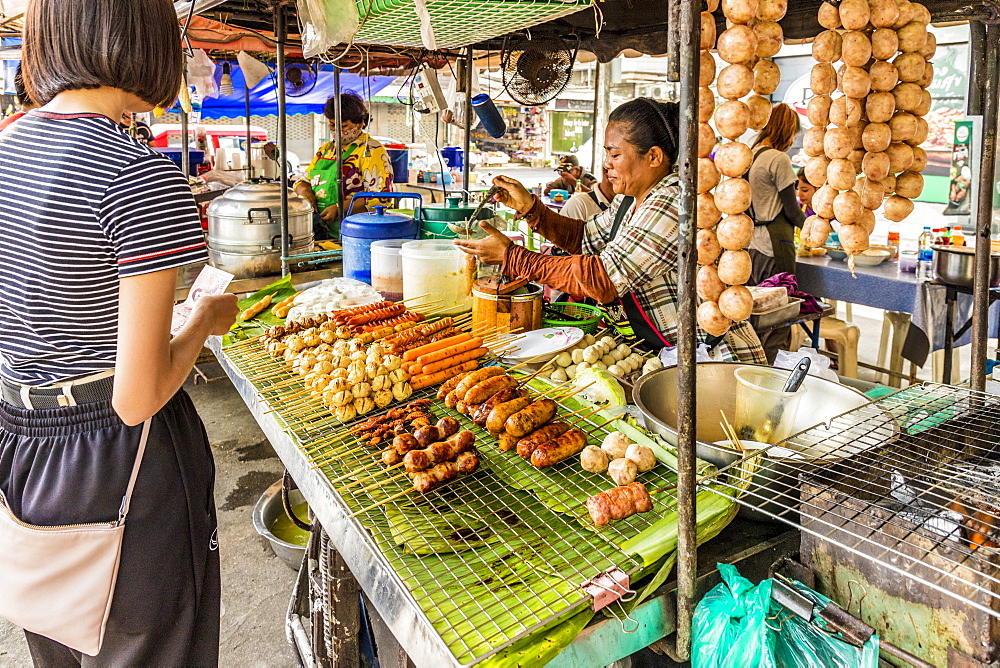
366	168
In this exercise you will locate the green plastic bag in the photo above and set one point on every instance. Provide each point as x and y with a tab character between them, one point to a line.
737	625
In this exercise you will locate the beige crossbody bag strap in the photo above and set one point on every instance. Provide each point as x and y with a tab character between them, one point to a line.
135	470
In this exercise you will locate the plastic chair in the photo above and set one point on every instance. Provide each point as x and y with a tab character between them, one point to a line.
846	334
895	326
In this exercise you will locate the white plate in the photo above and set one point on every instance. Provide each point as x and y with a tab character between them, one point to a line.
543	343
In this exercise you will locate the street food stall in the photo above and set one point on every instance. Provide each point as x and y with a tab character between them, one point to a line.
544	527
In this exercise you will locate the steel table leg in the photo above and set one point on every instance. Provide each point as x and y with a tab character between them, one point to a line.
951	297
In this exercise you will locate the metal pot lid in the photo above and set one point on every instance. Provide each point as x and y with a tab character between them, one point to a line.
241	198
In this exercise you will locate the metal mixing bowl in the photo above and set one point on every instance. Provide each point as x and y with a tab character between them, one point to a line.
267	510
956	265
656	396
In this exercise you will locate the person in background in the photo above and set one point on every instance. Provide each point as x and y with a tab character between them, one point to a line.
24	101
569	175
136	129
366	168
88	264
804	192
584	206
774	209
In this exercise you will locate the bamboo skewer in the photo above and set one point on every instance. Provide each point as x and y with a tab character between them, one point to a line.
403	301
382	502
373	475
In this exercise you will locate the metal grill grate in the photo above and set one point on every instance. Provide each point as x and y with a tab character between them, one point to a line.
909	482
456	22
491	557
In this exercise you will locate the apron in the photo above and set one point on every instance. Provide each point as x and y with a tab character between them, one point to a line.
624	313
780	231
327	189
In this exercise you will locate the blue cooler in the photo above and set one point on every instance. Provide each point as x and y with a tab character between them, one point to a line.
359	230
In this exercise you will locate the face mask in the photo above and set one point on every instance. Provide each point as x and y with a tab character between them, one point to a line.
348	136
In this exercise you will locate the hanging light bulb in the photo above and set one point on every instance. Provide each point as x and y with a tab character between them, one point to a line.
226	83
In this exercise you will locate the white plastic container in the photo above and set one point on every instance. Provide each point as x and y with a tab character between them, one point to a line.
436	271
387	268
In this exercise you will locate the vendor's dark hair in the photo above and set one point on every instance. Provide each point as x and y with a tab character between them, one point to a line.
650	123
20	93
131	45
352	108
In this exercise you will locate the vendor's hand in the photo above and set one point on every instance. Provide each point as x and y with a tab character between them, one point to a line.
490	250
513	194
329	214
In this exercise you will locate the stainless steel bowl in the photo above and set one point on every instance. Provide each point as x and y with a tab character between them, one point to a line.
267	510
656	396
956	265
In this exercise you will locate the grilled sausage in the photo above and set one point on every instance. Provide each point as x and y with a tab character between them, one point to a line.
404	443
498	416
532	417
451	399
436	453
500	397
475	377
462	407
468	462
391	457
506	442
450	384
559	448
527	445
483	390
444	428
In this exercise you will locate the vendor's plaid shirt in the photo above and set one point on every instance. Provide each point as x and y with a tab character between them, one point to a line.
642	259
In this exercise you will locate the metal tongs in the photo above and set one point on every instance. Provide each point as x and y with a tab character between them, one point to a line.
475	214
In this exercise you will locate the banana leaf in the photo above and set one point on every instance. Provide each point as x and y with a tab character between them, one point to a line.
279	290
538	649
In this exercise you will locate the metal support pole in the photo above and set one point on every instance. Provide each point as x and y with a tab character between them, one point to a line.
467	141
594	121
989	52
687	558
338	144
246	104
280	33
185	143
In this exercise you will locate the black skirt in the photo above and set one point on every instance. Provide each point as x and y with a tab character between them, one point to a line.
71	465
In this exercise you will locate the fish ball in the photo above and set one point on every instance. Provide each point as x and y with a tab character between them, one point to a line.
733	196
735	232
615	444
853	238
708	284
708	246
736	303
883	13
737	44
823	79
770	37
642	456
708	175
847	207
838	143
591	355
818	110
826	47
760	111
711	320
609	360
816	169
856	48
708	215
622	471
735	81
735	267
732	119
909	185
564	359
898	208
884	43
593	459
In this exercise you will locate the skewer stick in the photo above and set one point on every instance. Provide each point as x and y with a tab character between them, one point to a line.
374	485
578	412
244	342
351	473
601	425
328	440
589	415
339	451
540	369
571	391
403	301
383	502
525	363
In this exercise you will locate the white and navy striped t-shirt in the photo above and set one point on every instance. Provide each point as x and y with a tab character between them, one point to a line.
81	206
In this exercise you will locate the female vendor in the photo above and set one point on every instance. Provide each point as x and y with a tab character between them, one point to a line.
626	257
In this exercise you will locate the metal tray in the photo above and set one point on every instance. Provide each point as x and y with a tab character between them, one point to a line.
777	316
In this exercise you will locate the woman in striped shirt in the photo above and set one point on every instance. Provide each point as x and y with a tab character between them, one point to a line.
93	226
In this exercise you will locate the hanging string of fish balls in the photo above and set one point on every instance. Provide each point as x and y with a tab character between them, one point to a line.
877	121
752	37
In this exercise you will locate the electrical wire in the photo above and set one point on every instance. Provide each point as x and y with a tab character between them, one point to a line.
184	33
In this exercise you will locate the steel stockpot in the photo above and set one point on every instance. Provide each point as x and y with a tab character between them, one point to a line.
244	229
956	265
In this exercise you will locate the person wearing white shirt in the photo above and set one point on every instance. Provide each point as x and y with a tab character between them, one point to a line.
584	206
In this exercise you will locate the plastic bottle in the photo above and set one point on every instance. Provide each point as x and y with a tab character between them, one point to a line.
894	238
925	258
957	238
946	236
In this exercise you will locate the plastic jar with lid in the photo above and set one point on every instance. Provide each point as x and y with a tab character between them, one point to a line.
437	272
387	268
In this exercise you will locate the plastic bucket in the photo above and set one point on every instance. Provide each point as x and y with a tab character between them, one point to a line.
430	229
400	159
435	270
764	411
387	268
454	156
359	231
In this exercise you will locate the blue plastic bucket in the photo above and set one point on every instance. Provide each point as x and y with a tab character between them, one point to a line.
400	159
359	230
454	156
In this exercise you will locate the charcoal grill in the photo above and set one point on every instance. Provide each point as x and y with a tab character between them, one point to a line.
904	527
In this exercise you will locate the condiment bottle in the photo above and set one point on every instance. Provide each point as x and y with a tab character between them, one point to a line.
957	238
894	239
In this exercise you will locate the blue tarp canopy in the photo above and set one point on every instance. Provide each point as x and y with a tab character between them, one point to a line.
264	96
